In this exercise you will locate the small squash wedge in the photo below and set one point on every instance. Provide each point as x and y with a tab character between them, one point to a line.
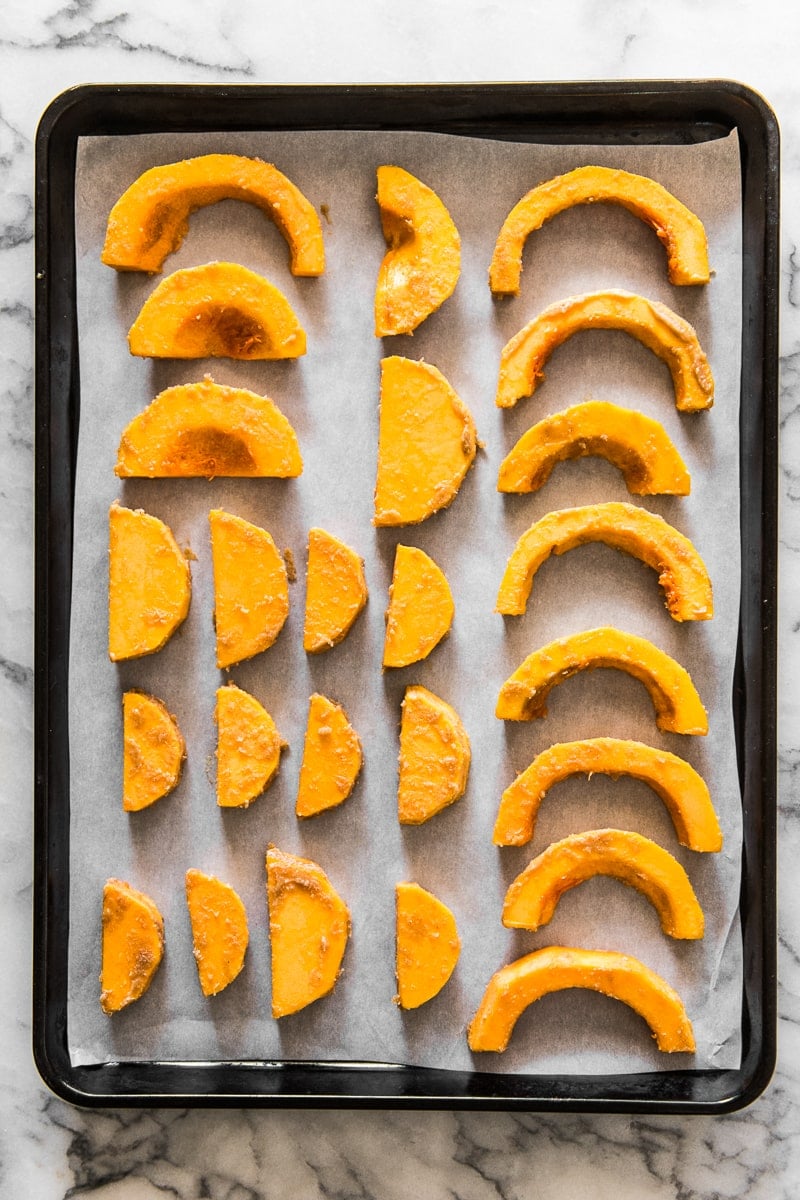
331	758
251	588
428	945
248	747
153	751
336	591
219	930
668	335
132	945
434	757
420	610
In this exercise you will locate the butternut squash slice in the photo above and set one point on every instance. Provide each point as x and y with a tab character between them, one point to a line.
677	705
133	945
219	930
677	227
309	925
681	571
639	446
420	610
422	265
207	429
426	443
669	336
553	969
248	747
336	591
532	898
428	945
331	758
219	310
151	218
251	588
149	584
682	789
434	757
153	751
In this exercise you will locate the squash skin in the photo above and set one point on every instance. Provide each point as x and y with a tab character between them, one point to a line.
336	591
219	930
153	751
428	945
677	227
668	335
251	588
332	758
132	945
420	610
151	218
434	757
248	747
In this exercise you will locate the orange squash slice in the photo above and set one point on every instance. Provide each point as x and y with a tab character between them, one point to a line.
151	219
309	925
514	987
219	310
428	945
133	945
248	747
251	588
678	707
149	584
423	262
420	610
669	336
207	429
153	751
336	591
426	444
681	232
681	571
682	789
434	757
639	446
331	758
219	930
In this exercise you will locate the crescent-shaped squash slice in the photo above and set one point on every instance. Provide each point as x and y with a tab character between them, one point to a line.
336	591
681	571
681	232
639	446
331	758
669	336
219	930
426	443
151	219
678	707
434	757
428	945
251	588
309	925
514	987
532	898
219	310
682	789
149	584
420	610
248	747
133	945
153	751
207	429
421	267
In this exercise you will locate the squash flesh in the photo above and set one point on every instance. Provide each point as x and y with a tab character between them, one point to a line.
331	758
219	930
420	610
428	945
132	945
251	588
248	747
153	751
434	757
149	585
336	591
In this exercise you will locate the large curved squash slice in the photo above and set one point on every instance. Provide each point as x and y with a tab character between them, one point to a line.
513	988
251	588
248	747
681	232
421	267
151	219
669	336
532	898
133	945
207	429
678	707
219	310
434	757
153	751
428	945
639	446
682	789
336	591
420	610
681	571
219	930
331	758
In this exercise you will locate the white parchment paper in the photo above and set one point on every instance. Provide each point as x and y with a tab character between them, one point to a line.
331	397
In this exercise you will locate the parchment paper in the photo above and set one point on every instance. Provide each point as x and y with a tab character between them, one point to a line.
331	397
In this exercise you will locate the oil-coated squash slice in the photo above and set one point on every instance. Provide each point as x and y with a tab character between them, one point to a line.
132	945
336	591
248	747
153	751
426	444
420	610
678	707
207	429
428	945
532	898
639	446
251	588
423	262
669	336
309	925
331	758
434	757
149	584
681	232
151	219
681	571
514	987
219	310
682	789
219	930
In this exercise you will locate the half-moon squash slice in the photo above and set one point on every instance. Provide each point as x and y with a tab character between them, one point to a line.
132	945
251	588
428	945
153	751
434	757
331	758
420	610
248	747
219	930
336	591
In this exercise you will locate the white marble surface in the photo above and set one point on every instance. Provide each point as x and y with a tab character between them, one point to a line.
48	1149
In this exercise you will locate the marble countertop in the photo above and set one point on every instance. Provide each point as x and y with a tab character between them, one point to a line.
48	1149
